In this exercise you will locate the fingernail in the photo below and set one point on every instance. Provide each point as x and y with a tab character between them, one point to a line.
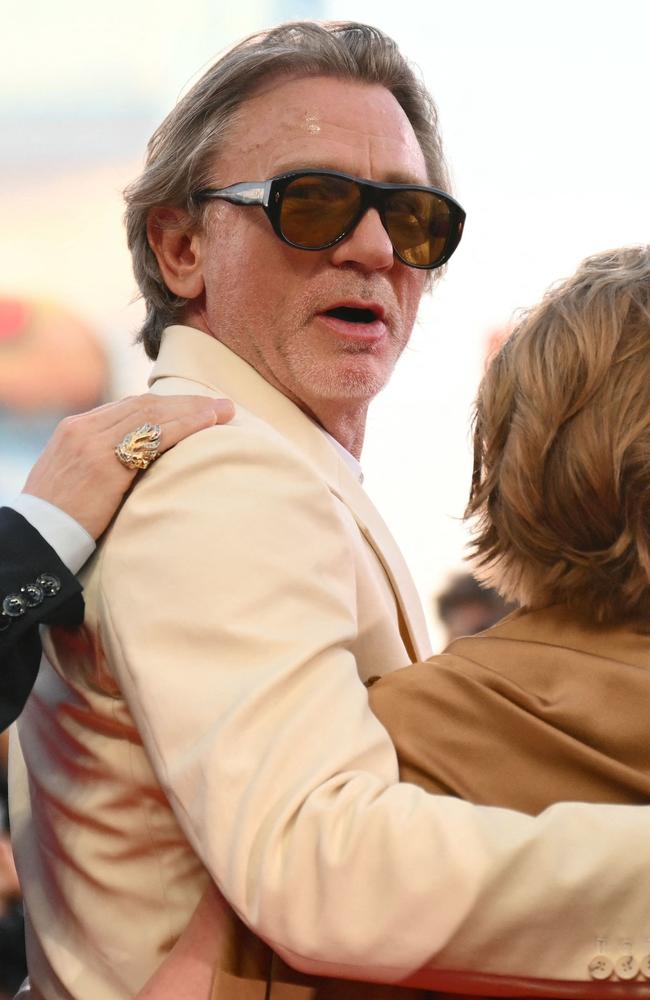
224	407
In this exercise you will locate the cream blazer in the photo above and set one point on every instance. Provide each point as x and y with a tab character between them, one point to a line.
210	722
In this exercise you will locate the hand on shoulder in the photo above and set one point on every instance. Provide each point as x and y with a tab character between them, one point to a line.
79	471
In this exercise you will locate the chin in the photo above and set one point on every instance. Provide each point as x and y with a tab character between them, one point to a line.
349	382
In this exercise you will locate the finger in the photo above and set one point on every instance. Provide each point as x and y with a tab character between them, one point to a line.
118	419
102	418
174	430
163	409
136	410
224	410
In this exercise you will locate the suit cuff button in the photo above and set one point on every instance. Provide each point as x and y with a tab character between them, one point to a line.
600	967
626	967
33	594
14	605
49	584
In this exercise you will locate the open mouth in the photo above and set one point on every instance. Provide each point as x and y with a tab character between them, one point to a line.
352	315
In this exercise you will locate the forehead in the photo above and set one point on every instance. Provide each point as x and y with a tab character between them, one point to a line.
345	125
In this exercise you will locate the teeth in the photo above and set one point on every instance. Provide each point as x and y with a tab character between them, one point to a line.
352	315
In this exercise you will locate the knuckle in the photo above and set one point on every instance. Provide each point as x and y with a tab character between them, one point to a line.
150	408
66	427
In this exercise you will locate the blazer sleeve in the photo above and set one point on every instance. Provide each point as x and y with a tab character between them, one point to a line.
233	644
35	588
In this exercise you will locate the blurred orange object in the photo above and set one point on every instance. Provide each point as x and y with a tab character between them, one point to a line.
50	360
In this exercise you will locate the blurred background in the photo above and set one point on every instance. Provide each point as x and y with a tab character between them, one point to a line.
544	114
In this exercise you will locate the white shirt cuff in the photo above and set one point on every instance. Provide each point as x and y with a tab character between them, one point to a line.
68	538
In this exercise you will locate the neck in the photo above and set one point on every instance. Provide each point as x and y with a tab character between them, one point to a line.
347	427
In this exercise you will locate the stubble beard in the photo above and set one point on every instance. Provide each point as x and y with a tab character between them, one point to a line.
344	377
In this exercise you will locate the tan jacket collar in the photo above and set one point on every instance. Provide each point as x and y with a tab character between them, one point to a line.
557	626
190	354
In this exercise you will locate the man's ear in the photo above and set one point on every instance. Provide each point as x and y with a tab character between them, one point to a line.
177	247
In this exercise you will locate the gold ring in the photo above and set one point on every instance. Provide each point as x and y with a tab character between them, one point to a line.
139	449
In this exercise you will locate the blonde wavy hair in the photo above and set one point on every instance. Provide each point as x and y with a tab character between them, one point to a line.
561	483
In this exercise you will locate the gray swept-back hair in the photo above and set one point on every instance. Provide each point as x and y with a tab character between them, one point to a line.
182	151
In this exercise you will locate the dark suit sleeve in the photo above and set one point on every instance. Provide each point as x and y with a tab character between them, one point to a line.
36	588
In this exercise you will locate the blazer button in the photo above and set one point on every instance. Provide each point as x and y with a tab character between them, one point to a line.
49	584
600	967
626	967
14	605
33	594
644	966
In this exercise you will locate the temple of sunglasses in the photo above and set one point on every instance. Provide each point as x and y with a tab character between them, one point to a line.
315	209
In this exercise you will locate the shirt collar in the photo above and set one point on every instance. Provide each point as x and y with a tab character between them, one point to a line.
349	459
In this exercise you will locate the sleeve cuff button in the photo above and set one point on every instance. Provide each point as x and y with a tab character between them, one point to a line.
49	584
33	594
601	967
626	967
14	605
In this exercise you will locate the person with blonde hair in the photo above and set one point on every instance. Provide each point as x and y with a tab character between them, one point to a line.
550	704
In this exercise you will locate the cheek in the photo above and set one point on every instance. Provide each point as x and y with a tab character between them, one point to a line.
410	295
228	273
245	260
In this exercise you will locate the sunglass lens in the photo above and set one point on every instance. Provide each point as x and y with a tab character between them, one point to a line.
317	209
419	224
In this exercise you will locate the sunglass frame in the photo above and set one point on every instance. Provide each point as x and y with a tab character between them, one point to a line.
269	195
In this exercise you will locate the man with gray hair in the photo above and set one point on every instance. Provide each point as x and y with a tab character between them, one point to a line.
210	723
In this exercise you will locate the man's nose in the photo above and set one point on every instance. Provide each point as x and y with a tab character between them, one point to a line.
368	247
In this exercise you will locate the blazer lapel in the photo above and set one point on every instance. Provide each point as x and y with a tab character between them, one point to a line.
414	631
193	355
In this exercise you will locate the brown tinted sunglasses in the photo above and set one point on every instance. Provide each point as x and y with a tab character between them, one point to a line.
315	209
